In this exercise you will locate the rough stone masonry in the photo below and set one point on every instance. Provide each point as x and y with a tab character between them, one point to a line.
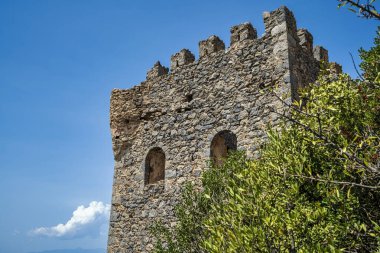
166	129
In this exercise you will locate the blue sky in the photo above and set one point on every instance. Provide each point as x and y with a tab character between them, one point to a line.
60	59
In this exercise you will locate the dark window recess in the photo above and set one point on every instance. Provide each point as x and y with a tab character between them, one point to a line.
221	145
154	166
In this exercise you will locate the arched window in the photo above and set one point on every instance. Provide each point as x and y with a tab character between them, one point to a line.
222	143
154	166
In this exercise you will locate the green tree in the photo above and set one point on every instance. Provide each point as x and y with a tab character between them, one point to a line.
315	188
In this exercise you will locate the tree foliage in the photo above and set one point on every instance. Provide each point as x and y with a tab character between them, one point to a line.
315	187
371	62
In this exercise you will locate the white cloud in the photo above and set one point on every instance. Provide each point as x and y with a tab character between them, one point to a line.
85	221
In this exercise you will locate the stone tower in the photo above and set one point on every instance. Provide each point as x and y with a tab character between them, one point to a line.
165	129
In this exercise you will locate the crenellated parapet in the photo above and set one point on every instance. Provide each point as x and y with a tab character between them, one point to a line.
306	40
212	45
280	21
321	54
280	27
156	71
166	129
242	32
181	58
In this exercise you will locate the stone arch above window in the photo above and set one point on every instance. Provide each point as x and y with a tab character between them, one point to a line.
222	143
154	166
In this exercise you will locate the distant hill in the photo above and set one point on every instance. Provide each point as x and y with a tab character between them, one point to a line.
79	250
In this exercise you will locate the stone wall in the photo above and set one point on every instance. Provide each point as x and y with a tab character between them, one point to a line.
179	112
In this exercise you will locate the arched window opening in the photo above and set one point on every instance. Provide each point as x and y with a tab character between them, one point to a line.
221	145
154	166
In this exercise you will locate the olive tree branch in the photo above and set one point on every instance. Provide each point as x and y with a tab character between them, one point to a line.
367	10
335	182
327	141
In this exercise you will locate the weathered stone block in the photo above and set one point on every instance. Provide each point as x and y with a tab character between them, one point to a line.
211	45
156	71
282	19
321	54
170	174
306	39
181	58
242	32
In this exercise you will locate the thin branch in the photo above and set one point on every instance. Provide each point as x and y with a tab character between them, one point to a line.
356	69
292	107
319	124
336	182
327	141
365	9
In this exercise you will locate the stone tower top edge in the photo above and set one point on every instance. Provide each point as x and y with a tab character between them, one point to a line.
276	22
